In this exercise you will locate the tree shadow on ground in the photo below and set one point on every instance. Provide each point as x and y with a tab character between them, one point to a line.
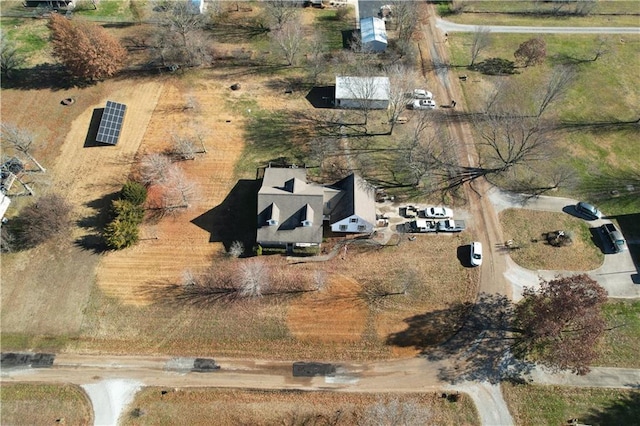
94	225
473	337
43	76
598	127
235	219
281	134
625	410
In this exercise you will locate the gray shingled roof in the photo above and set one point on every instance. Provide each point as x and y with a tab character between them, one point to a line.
358	199
296	200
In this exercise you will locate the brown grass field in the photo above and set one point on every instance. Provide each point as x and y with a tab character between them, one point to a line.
231	407
70	295
35	404
524	226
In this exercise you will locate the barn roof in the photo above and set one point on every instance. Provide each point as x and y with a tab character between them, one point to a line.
373	29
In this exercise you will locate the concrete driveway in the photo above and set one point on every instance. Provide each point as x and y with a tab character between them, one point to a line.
618	274
450	27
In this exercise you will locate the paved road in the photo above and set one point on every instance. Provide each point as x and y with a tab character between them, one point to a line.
616	275
450	27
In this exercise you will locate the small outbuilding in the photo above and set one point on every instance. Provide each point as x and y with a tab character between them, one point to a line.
373	34
362	92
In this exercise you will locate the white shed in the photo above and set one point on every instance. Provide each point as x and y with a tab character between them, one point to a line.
373	34
362	92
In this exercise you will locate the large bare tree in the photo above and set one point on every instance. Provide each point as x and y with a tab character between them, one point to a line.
20	140
179	37
288	37
481	40
280	12
556	88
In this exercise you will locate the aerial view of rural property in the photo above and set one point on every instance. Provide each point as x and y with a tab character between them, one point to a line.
320	212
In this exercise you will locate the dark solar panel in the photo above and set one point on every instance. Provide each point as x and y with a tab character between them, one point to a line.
111	123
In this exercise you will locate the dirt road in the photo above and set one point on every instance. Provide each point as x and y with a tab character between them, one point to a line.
492	276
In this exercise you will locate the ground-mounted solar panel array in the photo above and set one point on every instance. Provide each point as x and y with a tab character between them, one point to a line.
111	123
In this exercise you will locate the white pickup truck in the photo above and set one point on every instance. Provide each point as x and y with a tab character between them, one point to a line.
451	225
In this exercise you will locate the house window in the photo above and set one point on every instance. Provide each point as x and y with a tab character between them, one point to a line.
343	227
361	227
353	220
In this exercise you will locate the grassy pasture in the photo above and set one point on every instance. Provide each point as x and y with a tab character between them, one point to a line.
621	345
554	405
256	407
35	404
594	123
534	13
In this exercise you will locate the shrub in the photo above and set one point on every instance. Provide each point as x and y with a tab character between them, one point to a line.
120	234
42	220
127	211
134	192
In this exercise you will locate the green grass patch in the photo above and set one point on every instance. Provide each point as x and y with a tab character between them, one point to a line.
621	345
536	13
593	135
330	27
39	404
279	136
526	228
21	342
554	405
105	9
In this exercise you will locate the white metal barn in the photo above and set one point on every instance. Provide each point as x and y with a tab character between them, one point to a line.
362	92
373	34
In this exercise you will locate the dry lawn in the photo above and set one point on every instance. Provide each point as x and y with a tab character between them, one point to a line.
232	407
34	404
525	226
537	405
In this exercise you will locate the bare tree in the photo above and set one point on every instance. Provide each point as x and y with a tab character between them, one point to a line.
47	217
178	191
10	57
481	40
316	60
19	139
183	147
280	12
254	278
601	48
402	80
288	38
154	168
406	17
236	249
556	88
179	38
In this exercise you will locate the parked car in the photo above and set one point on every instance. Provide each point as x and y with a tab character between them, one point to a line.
450	225
437	213
422	104
615	236
476	253
588	211
422	94
421	226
